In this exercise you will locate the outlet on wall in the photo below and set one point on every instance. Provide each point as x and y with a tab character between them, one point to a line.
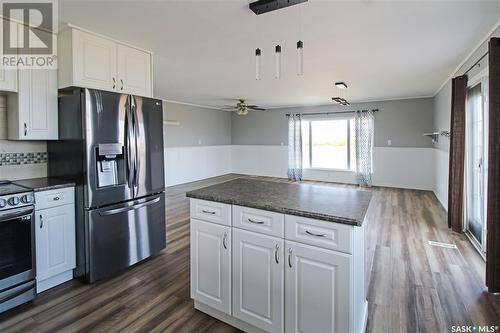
389	142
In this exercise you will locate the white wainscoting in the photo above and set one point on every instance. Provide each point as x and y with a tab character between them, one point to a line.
441	159
395	167
188	164
404	167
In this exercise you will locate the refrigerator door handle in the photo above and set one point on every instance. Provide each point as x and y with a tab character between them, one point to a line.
128	146
137	142
133	207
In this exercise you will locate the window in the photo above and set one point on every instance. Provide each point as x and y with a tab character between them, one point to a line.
329	144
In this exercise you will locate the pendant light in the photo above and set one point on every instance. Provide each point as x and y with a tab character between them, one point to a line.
277	62
300	58
257	63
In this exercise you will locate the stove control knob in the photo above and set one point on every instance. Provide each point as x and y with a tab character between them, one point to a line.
3	203
26	198
14	201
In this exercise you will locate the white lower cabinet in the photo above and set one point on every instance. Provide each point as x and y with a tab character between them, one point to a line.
211	264
317	289
258	280
277	284
55	246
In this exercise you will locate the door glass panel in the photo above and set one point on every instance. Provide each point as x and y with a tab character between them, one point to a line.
475	152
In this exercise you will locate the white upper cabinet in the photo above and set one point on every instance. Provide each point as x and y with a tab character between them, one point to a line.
32	112
92	61
134	71
8	77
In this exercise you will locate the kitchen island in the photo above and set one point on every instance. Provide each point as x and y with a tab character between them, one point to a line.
280	257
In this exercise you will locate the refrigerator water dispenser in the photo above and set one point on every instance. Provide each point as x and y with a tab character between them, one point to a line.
109	159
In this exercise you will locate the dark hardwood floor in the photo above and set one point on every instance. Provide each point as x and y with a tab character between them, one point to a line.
413	286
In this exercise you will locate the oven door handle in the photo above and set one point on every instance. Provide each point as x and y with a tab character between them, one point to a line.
17	291
18	213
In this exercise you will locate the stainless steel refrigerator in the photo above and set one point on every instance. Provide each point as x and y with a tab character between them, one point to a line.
111	146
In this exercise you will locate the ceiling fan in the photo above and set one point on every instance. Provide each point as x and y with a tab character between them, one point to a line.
242	107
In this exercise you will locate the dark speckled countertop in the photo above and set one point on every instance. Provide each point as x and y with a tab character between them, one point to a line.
44	183
333	204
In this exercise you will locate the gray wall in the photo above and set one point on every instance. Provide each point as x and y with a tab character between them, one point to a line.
442	109
402	121
442	101
198	126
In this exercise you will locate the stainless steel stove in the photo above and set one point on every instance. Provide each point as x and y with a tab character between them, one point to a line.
17	245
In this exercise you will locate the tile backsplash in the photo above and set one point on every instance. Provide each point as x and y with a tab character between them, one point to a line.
20	159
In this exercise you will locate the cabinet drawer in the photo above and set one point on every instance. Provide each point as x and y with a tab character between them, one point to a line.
334	236
262	221
210	211
54	198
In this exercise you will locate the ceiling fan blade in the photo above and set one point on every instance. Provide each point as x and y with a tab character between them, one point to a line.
257	108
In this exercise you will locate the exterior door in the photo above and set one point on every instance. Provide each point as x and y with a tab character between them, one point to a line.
211	265
134	71
150	175
476	161
259	280
124	234
94	61
55	241
317	289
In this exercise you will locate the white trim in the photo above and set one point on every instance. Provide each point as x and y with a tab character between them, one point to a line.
300	105
72	26
485	38
192	104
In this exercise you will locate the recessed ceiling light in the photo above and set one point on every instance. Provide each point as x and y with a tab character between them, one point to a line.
341	85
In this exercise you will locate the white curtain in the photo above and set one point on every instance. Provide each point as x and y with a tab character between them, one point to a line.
295	147
364	147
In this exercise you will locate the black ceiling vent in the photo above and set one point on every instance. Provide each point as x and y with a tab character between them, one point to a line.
264	6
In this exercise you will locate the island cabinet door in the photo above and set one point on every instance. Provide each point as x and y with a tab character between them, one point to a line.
211	264
317	289
258	275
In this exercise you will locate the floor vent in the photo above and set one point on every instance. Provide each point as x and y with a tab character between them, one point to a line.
446	245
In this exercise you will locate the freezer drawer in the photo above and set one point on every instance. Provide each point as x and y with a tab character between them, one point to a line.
124	234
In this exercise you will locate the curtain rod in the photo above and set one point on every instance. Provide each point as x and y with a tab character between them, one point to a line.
329	113
476	63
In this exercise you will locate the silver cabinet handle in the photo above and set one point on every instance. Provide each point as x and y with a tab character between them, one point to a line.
313	234
122	84
25	129
255	221
114	83
224	240
41	221
208	212
276	254
290	257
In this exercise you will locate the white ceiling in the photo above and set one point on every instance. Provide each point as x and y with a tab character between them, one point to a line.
204	50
